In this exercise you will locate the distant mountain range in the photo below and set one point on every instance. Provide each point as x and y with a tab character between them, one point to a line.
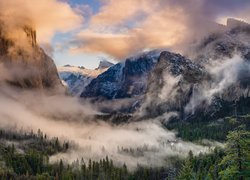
123	80
216	76
77	78
211	83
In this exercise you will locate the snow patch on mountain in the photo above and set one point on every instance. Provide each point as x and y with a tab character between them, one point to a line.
76	78
126	79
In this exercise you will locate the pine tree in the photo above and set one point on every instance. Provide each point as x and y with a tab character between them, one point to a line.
236	163
186	171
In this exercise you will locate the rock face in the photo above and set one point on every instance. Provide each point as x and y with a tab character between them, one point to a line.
218	48
123	80
26	63
170	84
210	86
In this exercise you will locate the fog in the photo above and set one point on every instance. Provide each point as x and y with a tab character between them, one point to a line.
59	17
224	72
145	143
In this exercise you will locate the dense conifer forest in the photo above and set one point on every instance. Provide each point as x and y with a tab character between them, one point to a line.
26	156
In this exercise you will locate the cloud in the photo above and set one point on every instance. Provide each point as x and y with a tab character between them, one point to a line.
83	9
135	26
146	142
114	44
115	12
46	16
124	27
225	73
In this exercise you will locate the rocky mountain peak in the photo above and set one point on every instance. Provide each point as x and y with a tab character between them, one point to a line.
123	80
23	38
26	63
104	64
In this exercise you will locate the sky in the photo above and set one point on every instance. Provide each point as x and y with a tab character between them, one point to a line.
87	60
81	32
116	29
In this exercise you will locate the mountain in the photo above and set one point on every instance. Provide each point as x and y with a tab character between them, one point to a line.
214	84
205	85
77	78
123	80
170	84
104	64
25	63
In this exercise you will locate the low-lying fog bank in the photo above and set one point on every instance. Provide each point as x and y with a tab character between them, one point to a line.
145	142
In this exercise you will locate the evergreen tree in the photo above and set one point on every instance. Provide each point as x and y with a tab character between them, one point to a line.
236	163
187	170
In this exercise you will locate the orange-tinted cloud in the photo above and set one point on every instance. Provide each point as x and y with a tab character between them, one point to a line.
124	27
115	12
116	45
155	31
46	16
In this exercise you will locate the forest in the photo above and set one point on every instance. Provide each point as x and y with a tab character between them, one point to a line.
29	158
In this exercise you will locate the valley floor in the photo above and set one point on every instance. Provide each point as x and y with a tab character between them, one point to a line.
26	156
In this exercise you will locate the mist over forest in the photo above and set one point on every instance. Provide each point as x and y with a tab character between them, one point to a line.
170	98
